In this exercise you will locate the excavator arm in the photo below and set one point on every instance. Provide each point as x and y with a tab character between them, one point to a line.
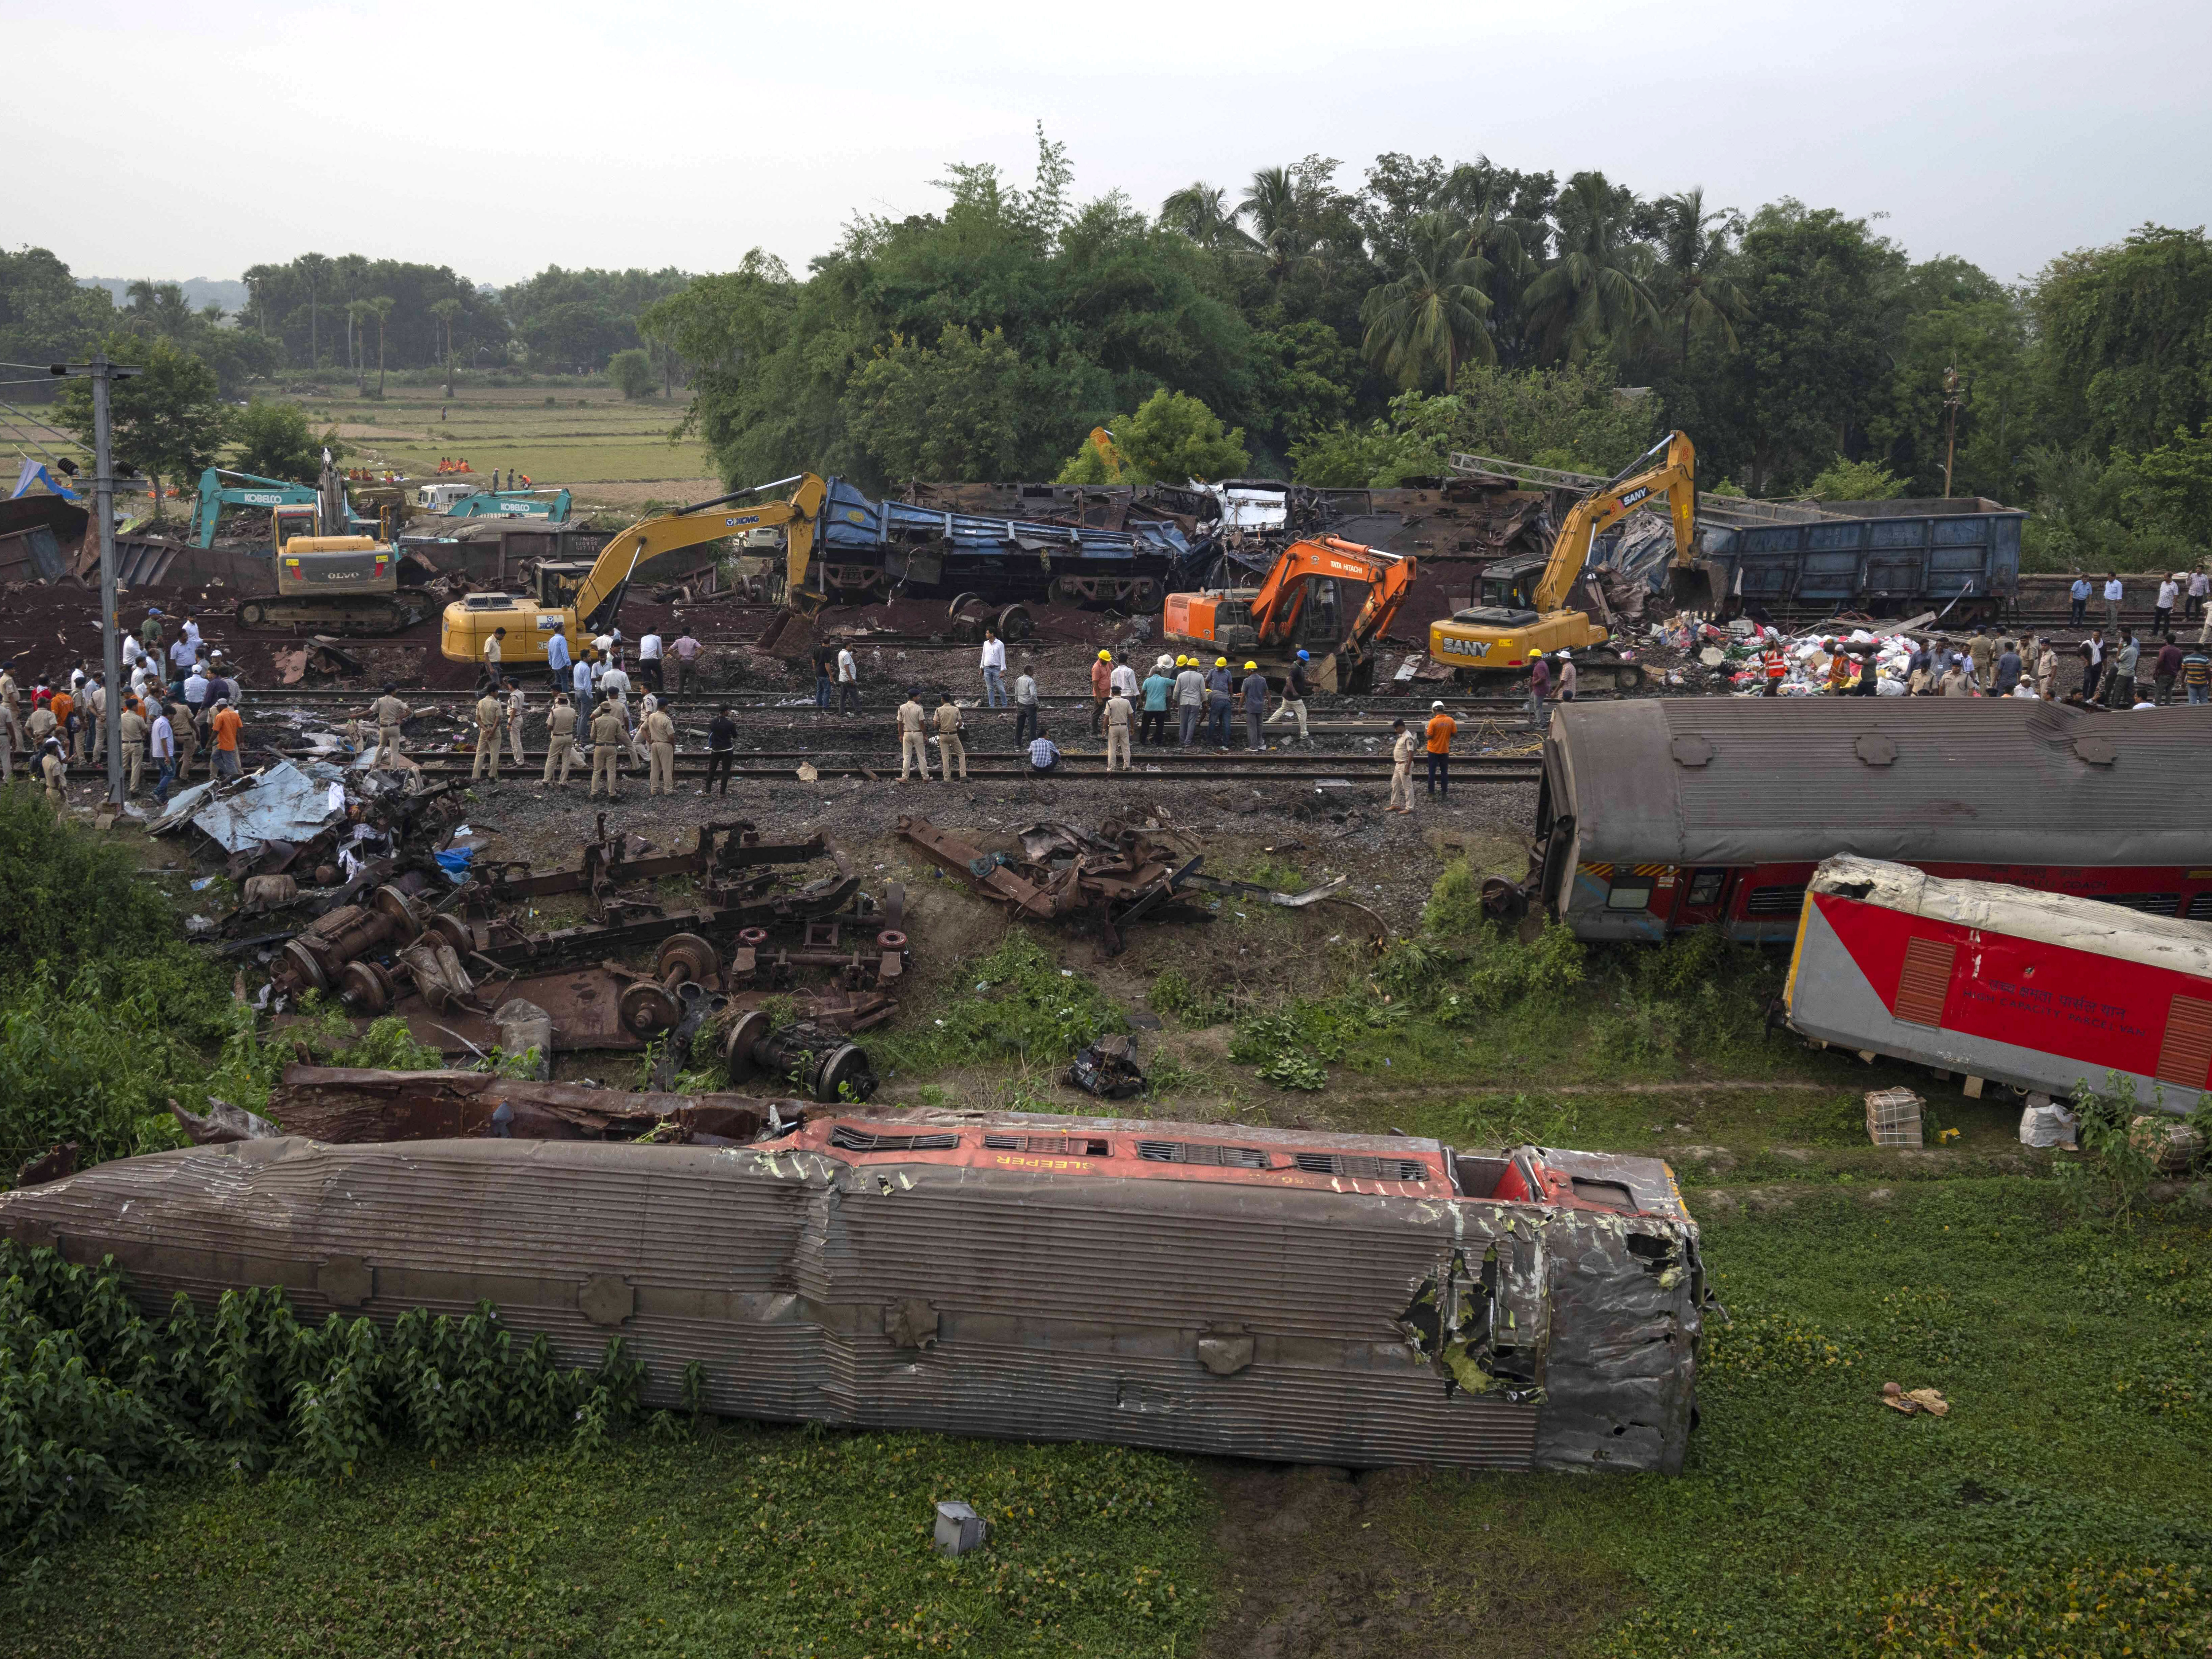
1668	468
600	594
1275	607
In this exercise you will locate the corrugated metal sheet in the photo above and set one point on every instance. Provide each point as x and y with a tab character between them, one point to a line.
1064	1308
1984	779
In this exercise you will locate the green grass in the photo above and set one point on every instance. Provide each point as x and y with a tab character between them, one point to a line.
747	1540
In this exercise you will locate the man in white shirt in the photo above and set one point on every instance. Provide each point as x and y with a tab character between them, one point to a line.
2169	592
614	682
162	743
132	650
195	687
994	665
1123	679
182	655
192	634
579	686
648	660
2200	589
2112	601
848	682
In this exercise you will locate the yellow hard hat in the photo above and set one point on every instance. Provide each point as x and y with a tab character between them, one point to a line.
1249	665
1105	656
1221	662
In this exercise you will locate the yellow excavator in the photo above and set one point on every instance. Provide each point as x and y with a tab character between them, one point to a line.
578	598
1514	623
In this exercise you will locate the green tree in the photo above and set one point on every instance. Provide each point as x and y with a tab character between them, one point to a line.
2126	337
633	372
45	316
1593	296
1171	438
1698	298
168	420
1430	319
1201	212
951	411
2167	491
1304	377
1844	480
277	440
380	308
447	311
315	269
359	313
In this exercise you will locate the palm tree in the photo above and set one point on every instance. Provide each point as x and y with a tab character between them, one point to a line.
1431	317
1201	212
1593	294
446	311
380	308
358	311
158	309
1278	208
1701	298
316	269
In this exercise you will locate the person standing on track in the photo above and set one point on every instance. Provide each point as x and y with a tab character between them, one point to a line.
687	651
2046	669
495	649
825	668
1255	691
660	744
2008	669
950	748
848	681
188	736
1119	718
580	682
134	747
2093	664
648	662
1567	678
1025	704
1982	654
2200	589
1190	698
2164	671
2077	598
2120	676
2161	616
914	751
518	705
557	660
2196	675
1540	688
1102	687
1402	745
608	736
1159	685
560	738
1442	729
1220	691
488	727
2112	596
1296	681
1123	679
224	724
161	738
721	749
993	662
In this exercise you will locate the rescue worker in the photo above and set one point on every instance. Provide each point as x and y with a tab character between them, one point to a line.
11	733
488	720
92	706
2046	669
948	746
993	662
1120	717
1777	669
648	662
188	736
494	650
54	770
1190	698
387	711
161	742
1296	684
1159	685
41	724
64	706
560	740
11	698
1441	728
134	747
223	726
1254	692
1220	691
149	631
608	736
1403	743
1567	677
914	752
1539	688
660	744
1123	679
580	682
1102	687
517	704
1981	651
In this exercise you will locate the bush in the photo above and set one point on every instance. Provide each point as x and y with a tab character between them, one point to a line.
1024	1007
631	371
66	894
276	441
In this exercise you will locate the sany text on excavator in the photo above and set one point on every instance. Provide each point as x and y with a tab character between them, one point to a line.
1506	633
1331	599
577	599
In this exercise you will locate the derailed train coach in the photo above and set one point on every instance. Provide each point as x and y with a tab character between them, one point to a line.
1658	815
1353	1300
2035	991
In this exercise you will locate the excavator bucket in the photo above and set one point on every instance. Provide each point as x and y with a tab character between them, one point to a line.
1696	587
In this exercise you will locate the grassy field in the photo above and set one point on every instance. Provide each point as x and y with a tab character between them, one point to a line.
2056	1511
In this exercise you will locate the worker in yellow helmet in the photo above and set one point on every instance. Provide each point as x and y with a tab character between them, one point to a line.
1253	693
1101	688
1219	689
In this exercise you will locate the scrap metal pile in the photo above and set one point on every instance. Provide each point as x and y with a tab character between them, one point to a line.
1224	1289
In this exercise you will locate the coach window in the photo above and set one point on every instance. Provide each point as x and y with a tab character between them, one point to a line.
1705	887
1630	893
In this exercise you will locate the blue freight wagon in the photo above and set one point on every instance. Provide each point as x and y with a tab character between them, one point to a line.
1895	558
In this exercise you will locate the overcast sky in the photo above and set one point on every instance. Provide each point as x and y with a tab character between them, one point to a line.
499	138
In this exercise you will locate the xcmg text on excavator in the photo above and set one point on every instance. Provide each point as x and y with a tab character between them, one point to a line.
1330	599
578	598
1515	624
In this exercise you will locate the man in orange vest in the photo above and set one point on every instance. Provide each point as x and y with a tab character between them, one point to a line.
1442	729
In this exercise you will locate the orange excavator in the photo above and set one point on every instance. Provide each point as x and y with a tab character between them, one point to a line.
1330	599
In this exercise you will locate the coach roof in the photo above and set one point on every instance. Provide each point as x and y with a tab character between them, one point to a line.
1785	779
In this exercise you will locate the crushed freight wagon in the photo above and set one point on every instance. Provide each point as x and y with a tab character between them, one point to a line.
2038	991
1343	1299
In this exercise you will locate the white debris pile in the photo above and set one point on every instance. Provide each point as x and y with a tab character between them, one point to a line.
1813	663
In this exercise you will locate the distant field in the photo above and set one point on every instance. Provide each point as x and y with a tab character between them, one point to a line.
600	439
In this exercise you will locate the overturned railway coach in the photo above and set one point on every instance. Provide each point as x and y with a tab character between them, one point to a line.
1360	1300
2033	990
1661	815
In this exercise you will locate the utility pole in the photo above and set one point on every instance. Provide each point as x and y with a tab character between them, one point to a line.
1951	415
102	373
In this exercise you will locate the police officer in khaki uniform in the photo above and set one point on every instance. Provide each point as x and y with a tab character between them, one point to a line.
517	705
134	745
388	711
54	770
1402	749
608	736
561	737
1119	718
913	751
948	746
489	713
188	738
660	744
11	699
